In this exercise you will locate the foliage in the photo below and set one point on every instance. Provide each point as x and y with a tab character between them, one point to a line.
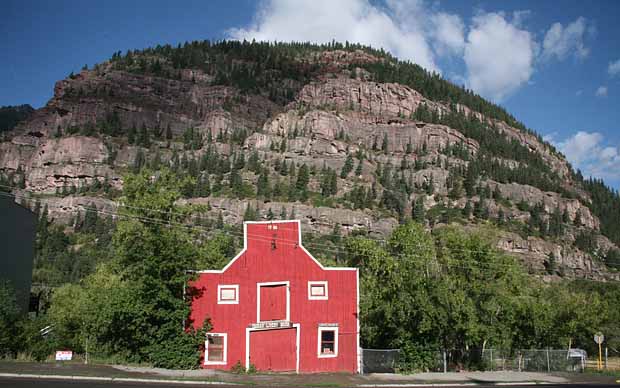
605	204
453	290
10	116
9	315
134	305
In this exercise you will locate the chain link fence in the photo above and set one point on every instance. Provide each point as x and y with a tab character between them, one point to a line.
531	360
380	360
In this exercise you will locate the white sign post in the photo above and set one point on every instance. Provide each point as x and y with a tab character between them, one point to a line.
599	338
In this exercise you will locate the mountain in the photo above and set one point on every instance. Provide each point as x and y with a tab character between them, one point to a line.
347	138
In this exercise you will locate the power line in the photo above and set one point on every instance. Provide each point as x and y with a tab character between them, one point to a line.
254	237
324	247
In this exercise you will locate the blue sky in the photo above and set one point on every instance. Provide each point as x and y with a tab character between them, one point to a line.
554	64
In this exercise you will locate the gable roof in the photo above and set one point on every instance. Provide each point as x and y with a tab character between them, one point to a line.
245	248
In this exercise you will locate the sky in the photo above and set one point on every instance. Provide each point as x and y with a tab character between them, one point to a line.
553	64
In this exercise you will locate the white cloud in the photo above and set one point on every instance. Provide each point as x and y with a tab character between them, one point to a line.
579	92
550	137
601	91
498	52
561	41
398	29
448	33
588	152
614	68
499	56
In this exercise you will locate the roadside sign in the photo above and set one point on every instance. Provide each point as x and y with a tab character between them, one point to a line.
599	338
64	355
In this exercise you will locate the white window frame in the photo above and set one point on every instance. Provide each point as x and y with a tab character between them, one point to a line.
288	298
227	286
320	332
225	349
317	297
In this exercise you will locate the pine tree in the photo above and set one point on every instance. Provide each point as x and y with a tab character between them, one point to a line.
467	210
457	191
501	217
169	132
106	184
409	149
250	214
203	186
303	177
417	212
479	208
430	186
236	183
131	134
139	161
283	213
384	145
270	215
219	224
253	162
143	137
358	169
347	167
263	189
551	264
90	219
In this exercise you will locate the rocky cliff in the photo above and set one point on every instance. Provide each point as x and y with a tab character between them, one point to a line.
371	152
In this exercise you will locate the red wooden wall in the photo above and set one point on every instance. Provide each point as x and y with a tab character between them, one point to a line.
276	255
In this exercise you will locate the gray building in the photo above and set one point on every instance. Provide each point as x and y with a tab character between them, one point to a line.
17	240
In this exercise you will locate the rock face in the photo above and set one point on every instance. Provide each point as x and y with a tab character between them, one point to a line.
382	100
51	164
550	202
315	219
337	114
568	261
92	96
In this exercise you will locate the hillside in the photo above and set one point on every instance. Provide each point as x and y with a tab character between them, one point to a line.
10	116
346	138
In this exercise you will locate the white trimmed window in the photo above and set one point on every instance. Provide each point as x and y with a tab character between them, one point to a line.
327	342
228	294
216	347
317	290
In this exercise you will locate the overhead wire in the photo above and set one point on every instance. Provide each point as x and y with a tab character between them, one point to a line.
254	237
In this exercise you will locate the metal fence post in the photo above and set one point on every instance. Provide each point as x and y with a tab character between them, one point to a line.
548	364
445	362
606	357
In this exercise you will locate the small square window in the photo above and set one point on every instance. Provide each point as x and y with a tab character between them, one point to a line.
215	349
317	290
328	342
228	294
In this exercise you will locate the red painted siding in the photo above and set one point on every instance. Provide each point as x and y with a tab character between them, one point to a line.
274	253
273	303
273	350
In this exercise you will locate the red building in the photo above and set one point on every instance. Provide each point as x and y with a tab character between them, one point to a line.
276	307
